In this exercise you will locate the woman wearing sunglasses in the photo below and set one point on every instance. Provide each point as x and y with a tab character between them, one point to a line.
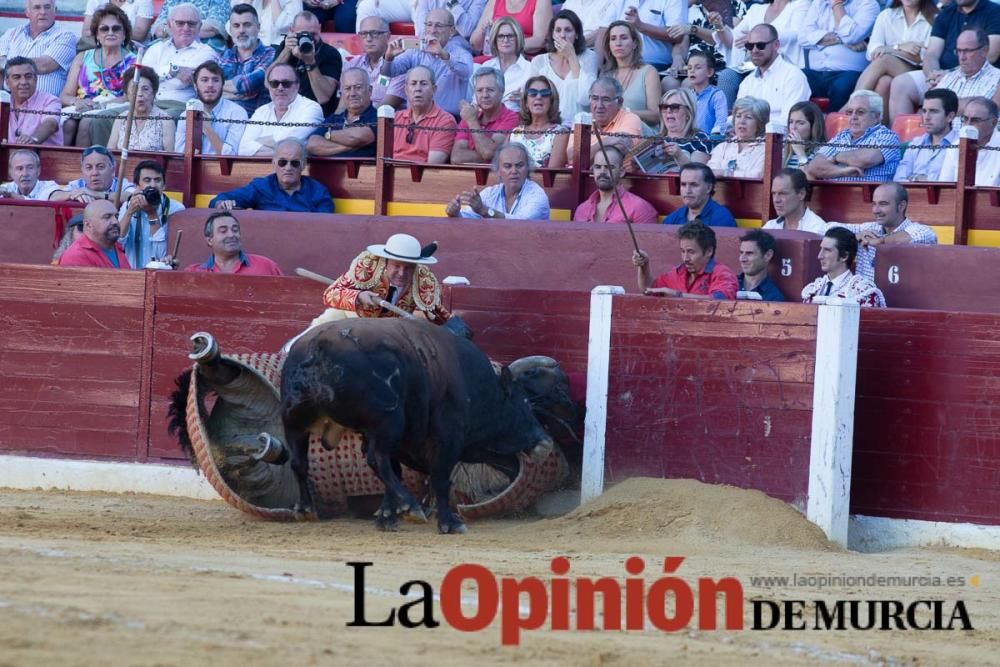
94	83
742	156
140	15
540	122
152	129
507	42
680	141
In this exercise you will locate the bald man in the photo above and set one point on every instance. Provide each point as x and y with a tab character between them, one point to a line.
98	246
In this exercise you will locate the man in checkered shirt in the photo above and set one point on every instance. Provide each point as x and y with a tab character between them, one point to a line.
974	76
873	151
891	227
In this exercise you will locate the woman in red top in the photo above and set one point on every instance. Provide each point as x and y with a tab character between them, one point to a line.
532	15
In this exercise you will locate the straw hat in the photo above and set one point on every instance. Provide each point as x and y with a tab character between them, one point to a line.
402	248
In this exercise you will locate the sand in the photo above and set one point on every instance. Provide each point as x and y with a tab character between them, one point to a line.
95	579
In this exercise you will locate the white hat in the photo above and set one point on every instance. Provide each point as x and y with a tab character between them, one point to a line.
402	248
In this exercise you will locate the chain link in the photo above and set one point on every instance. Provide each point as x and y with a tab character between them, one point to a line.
551	131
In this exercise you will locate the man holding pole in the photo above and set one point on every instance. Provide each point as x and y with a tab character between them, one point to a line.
601	206
698	276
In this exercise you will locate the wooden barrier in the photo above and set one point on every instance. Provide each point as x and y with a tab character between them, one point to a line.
718	392
71	356
939	277
927	425
962	212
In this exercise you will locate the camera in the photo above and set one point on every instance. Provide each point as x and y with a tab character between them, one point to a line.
305	41
152	195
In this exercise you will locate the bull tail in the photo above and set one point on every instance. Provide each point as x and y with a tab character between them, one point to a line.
177	415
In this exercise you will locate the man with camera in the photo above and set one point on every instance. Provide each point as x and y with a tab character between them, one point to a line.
144	218
317	63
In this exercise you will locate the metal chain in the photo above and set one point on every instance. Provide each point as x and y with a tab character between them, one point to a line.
552	131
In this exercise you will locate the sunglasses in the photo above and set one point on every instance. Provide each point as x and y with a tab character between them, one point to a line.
110	28
757	46
671	107
282	83
296	164
96	149
538	92
410	134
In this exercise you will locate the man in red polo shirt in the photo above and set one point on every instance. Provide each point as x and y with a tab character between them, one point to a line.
698	276
423	145
98	246
488	114
222	234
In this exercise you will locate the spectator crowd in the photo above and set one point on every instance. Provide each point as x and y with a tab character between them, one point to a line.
685	86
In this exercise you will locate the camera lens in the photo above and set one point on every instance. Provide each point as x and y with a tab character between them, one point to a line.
152	195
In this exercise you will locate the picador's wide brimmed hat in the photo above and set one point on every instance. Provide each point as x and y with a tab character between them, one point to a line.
403	248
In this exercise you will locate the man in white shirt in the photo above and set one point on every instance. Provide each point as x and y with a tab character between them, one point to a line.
287	106
789	191
891	227
980	113
219	136
775	80
23	166
833	39
175	58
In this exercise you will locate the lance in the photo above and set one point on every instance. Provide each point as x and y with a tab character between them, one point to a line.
618	199
132	93
306	273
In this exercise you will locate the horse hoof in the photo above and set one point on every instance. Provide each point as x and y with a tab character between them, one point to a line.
416	515
387	524
456	528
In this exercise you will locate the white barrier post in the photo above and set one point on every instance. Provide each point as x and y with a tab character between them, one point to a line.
598	361
832	440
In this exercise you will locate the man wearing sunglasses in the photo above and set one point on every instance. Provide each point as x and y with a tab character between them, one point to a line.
606	97
775	80
981	114
51	48
174	59
284	190
833	43
286	106
374	34
98	181
442	51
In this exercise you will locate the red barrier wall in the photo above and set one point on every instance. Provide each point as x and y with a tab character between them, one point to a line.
927	421
71	353
939	277
716	391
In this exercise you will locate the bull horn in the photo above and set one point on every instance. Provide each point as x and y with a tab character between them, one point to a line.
272	451
204	348
524	364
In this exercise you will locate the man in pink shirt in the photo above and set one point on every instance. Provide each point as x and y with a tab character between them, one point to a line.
606	99
698	276
222	235
489	113
98	246
24	126
423	145
601	205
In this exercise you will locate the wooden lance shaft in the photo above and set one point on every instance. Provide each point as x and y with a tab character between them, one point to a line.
618	199
133	89
306	273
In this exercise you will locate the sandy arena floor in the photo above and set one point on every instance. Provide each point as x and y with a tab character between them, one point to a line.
95	579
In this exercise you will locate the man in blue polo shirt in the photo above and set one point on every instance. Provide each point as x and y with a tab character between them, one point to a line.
351	133
284	190
697	188
756	252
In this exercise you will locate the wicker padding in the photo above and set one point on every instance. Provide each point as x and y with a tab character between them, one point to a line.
343	472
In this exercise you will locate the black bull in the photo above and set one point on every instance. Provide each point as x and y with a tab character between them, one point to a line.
418	394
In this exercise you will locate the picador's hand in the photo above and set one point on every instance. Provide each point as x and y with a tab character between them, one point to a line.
368	299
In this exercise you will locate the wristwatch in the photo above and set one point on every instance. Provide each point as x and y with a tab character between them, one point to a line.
490	213
693	29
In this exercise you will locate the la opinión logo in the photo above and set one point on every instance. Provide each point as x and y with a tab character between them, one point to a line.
630	604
